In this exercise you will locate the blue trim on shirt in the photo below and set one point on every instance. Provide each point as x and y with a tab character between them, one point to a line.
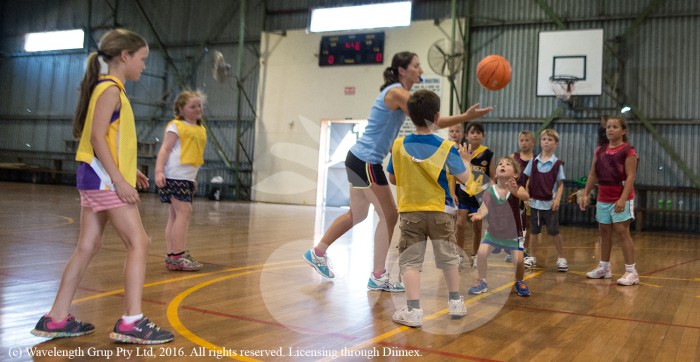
424	146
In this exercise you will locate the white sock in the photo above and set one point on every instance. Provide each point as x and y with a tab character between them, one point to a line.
605	265
130	319
630	268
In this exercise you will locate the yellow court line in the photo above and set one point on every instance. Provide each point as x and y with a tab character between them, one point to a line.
67	221
174	318
173	280
669	278
397	330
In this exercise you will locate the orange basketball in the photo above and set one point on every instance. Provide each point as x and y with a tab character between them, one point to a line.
493	72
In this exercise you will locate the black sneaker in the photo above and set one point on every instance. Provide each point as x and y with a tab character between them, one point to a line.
143	331
74	328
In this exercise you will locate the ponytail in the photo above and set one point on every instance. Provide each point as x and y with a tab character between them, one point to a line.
111	46
86	86
391	74
389	78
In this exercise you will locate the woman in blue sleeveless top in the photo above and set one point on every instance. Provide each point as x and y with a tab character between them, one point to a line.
368	183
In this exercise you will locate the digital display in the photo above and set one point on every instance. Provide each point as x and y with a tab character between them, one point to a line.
352	49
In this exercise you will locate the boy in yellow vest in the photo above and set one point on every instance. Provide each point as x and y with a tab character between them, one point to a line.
419	165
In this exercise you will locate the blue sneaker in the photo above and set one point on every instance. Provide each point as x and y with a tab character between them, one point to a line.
521	288
479	287
384	283
321	263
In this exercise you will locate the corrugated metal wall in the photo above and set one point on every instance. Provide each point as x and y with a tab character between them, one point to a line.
37	93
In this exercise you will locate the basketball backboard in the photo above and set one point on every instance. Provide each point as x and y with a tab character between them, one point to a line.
571	53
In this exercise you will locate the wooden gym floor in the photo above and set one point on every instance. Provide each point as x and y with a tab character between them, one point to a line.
255	298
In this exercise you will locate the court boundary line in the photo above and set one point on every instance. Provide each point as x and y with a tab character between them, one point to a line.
173	280
379	340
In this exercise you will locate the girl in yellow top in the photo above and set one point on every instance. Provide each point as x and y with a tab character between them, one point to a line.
106	178
179	159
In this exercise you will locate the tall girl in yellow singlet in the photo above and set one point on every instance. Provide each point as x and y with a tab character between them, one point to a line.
106	178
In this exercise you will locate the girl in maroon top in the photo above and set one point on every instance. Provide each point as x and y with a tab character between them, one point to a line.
614	169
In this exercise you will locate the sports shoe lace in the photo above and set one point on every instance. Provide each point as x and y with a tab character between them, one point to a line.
153	326
323	261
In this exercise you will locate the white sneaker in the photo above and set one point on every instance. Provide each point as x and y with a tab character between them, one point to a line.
508	258
457	308
530	262
412	318
474	261
562	265
599	273
629	279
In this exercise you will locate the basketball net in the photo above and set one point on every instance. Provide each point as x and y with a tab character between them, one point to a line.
562	87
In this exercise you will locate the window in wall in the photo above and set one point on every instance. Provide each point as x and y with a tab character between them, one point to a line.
360	17
54	40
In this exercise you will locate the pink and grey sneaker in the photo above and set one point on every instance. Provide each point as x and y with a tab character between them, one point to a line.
69	327
184	262
143	331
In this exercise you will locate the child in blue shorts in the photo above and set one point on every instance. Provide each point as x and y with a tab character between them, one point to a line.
614	168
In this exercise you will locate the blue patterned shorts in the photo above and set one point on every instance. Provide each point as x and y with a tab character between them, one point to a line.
179	189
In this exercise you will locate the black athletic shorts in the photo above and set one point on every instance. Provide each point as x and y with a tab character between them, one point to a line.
362	174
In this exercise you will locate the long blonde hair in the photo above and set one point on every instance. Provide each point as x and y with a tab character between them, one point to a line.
111	46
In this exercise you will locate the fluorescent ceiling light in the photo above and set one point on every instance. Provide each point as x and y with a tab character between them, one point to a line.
361	17
54	40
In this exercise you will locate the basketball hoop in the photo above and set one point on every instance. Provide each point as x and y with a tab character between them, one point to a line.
563	86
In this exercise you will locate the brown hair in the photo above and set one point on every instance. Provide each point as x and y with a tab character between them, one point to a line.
422	106
391	74
623	125
513	162
182	99
527	133
111	46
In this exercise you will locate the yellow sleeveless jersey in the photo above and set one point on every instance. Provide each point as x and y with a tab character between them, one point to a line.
120	137
475	185
417	185
193	140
